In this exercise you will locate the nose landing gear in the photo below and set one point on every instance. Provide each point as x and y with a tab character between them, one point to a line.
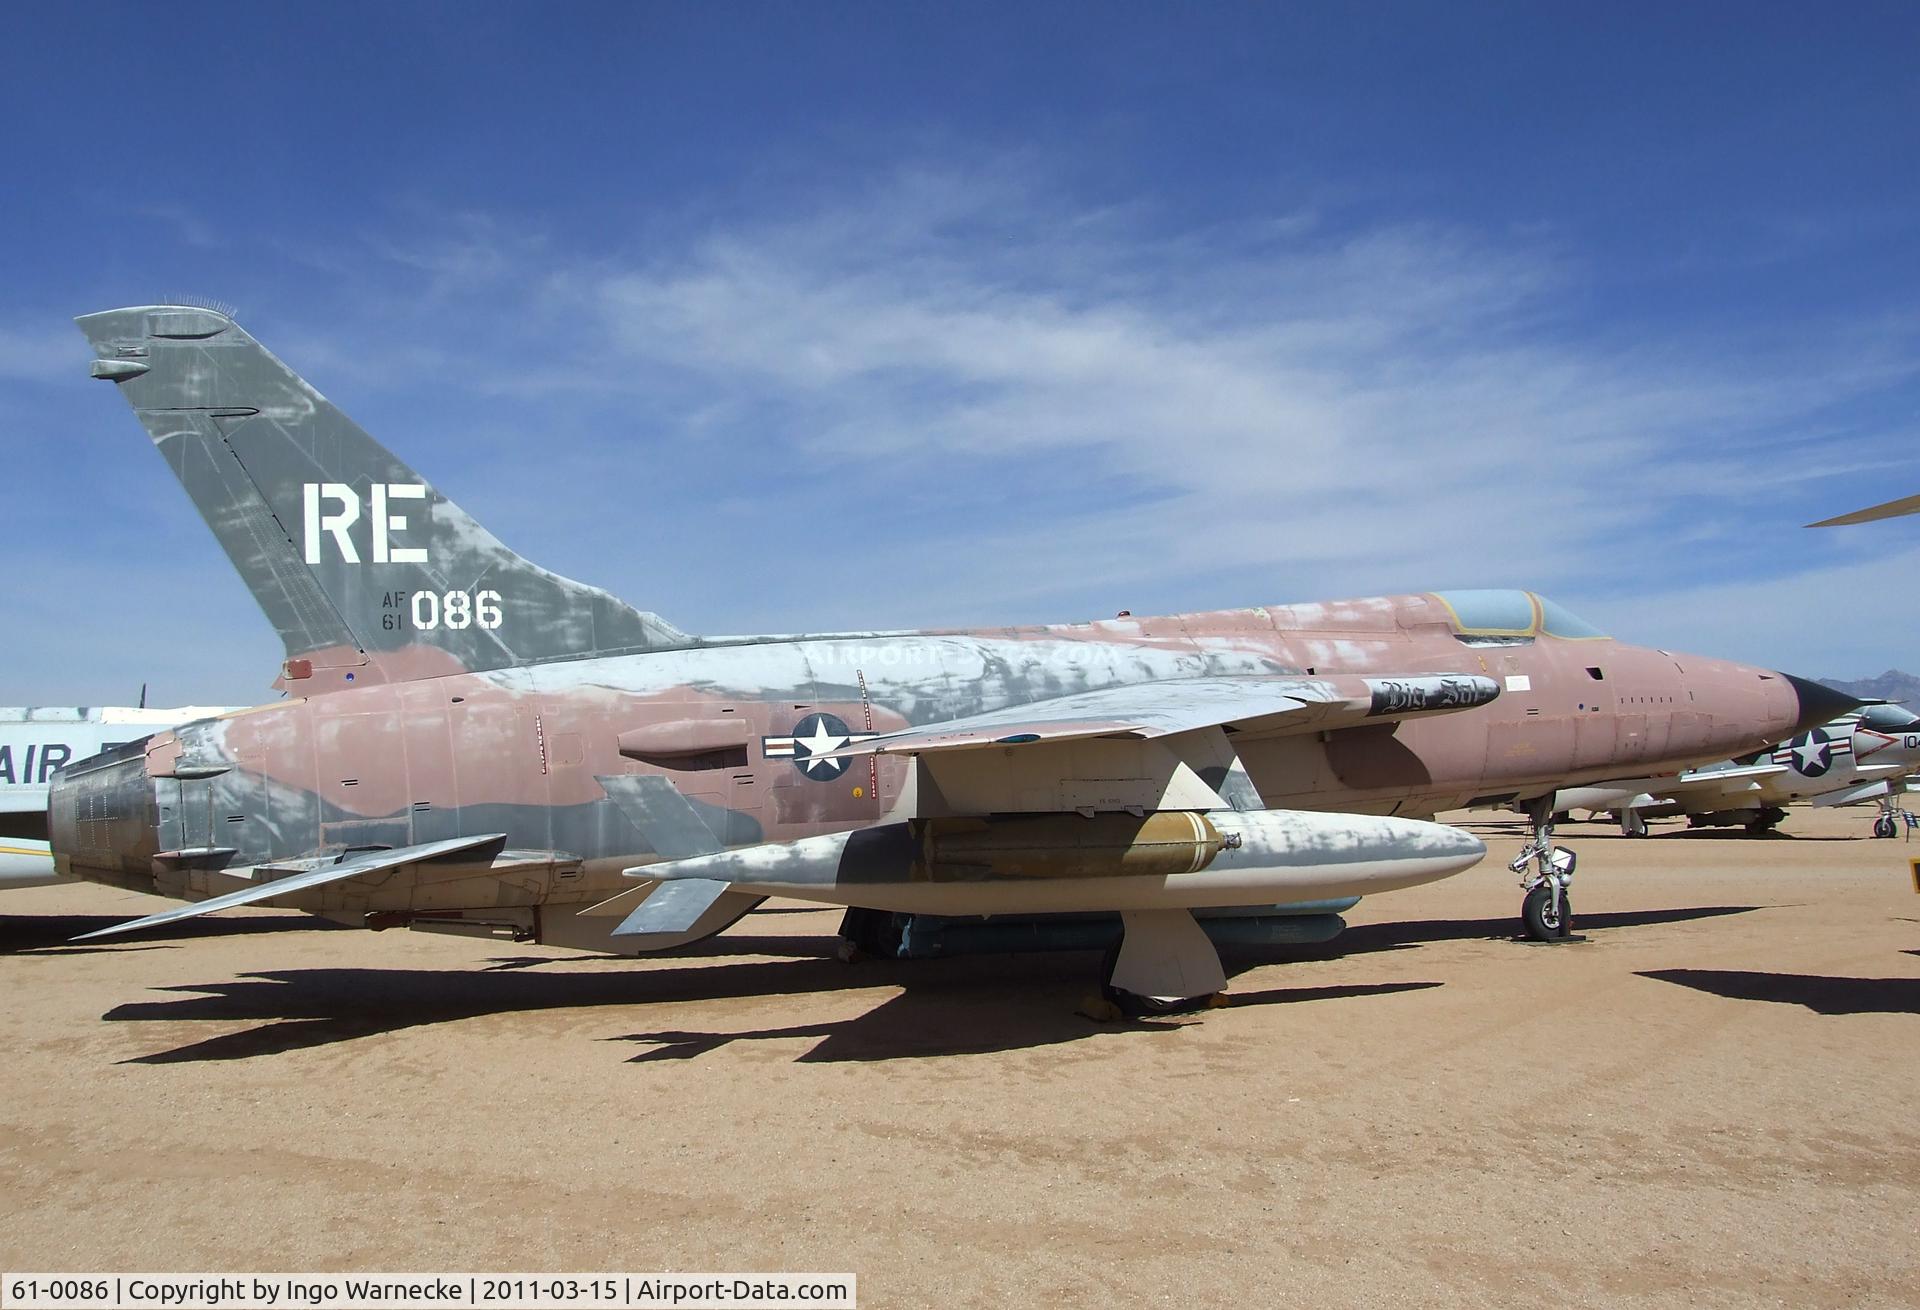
1546	872
1887	822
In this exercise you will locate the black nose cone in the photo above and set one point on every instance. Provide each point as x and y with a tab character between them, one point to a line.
1819	703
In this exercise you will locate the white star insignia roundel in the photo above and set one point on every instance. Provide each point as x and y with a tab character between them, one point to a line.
1811	754
813	738
817	743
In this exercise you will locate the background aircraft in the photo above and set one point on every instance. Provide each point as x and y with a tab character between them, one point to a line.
35	742
475	744
1857	758
1891	510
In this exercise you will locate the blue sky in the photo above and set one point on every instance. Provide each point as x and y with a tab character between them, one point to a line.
778	317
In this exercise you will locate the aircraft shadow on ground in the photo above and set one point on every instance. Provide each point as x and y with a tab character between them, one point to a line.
52	933
1576	833
918	1023
962	1006
1401	936
967	1005
1818	992
1728	834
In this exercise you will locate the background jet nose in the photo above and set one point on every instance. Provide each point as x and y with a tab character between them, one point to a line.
1819	703
101	814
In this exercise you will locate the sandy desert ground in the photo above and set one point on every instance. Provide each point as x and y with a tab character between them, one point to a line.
1710	1101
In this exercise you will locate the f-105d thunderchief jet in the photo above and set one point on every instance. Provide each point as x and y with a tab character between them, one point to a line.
475	744
1866	756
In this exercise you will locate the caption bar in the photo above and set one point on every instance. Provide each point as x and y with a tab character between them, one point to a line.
662	1291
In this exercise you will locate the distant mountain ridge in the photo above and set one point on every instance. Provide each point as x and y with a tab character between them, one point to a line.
1891	685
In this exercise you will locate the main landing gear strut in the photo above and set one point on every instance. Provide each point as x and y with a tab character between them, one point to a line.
1546	872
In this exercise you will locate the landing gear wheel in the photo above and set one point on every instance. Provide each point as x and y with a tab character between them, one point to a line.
868	935
1136	1006
1884	826
1537	912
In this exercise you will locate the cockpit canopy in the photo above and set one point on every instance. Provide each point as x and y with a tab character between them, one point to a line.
1889	718
1499	618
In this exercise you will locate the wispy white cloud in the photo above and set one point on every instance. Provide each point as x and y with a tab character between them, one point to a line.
1292	397
1843	620
462	253
962	396
187	226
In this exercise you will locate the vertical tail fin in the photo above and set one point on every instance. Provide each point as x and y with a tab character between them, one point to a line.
367	572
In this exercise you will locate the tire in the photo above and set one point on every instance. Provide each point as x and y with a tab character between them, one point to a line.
1537	913
1884	827
1136	1006
874	933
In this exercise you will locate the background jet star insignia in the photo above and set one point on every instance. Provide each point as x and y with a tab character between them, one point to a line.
1810	754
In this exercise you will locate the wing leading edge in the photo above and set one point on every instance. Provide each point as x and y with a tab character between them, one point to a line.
1257	706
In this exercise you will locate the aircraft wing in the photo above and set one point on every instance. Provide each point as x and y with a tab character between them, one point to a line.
1862	791
1709	777
1694	789
1694	779
1255	705
273	888
1155	737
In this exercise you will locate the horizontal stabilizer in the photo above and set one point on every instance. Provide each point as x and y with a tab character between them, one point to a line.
674	907
358	866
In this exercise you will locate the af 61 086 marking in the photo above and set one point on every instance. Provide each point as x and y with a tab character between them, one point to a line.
429	610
